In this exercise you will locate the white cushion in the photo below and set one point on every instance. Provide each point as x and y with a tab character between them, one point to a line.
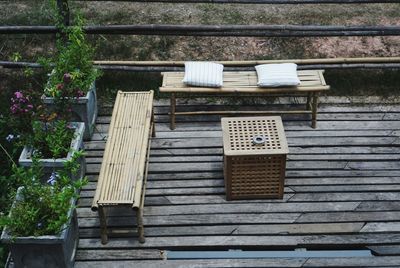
277	75
203	74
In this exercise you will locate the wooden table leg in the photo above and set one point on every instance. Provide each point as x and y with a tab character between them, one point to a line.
308	104
103	225
314	109
172	112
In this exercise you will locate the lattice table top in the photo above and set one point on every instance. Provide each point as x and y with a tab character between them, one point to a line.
254	135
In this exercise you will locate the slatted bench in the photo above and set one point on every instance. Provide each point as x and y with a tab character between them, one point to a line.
312	82
123	173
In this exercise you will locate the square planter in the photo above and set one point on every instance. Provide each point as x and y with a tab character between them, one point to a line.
51	165
45	251
84	110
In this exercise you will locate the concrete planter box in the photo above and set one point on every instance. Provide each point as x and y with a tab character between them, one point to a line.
51	165
45	251
84	110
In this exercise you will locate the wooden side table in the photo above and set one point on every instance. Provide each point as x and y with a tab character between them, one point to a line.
255	150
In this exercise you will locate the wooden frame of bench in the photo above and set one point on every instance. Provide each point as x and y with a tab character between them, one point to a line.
312	82
123	173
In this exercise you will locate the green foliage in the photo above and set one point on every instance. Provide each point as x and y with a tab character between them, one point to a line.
73	72
43	209
365	82
112	81
16	56
52	139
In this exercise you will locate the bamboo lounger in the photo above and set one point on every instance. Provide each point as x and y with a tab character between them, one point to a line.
312	82
123	173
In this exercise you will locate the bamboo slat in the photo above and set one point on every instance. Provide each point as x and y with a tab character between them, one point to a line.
245	82
122	175
311	82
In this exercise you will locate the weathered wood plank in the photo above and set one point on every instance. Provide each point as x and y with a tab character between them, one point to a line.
219	158
242	229
391	250
329	152
353	262
270	262
163	200
346	188
298	125
203	219
381	227
295	141
262	207
118	254
300	197
289	182
336	116
247	241
291	165
349	216
378	206
290	263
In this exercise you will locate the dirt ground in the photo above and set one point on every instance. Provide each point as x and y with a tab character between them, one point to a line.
126	47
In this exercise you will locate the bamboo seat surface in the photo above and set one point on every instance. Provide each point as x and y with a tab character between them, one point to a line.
124	168
245	82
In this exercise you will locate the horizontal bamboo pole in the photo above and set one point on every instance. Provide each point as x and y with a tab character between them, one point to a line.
148	66
219	30
243	112
252	62
286	2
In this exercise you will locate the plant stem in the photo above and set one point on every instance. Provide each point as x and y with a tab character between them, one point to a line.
8	155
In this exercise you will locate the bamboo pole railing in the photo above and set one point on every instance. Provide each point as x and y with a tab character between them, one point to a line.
219	30
255	62
285	2
303	64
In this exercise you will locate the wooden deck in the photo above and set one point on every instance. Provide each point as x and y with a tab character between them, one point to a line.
342	192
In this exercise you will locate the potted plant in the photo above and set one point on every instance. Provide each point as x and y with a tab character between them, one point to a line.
70	88
54	143
41	229
46	136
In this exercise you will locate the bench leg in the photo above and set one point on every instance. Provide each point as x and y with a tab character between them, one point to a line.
314	109
140	225
103	225
139	215
153	125
172	112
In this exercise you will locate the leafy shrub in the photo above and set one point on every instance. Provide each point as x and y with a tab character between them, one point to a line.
42	209
73	72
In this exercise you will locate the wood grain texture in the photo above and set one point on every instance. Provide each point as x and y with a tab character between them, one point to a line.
342	191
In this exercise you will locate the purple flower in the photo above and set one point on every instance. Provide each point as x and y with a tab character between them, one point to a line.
18	94
53	178
67	78
14	108
80	93
60	86
10	137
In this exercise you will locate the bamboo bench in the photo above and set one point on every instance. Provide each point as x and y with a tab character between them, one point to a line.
123	173
312	82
